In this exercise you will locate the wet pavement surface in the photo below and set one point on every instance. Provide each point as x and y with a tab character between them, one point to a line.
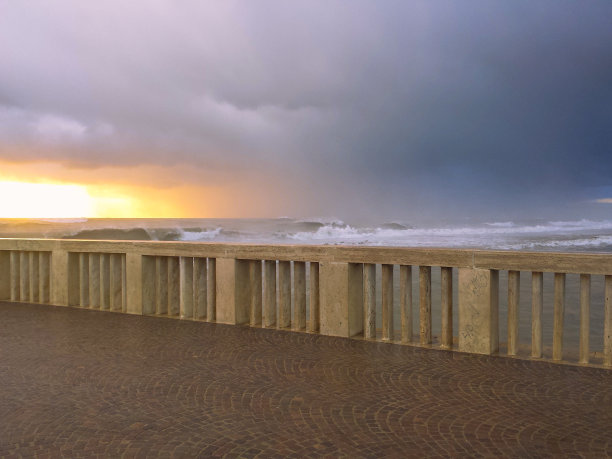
80	383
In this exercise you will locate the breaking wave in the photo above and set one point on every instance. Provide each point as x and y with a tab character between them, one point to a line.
583	235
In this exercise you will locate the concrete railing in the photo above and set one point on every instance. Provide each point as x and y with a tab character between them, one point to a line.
331	290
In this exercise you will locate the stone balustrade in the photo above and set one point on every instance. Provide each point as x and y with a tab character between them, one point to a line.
332	290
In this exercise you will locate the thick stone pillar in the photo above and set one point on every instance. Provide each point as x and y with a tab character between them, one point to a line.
59	278
134	282
341	298
233	291
478	311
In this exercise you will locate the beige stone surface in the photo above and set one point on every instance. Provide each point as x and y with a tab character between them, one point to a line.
537	304
44	287
315	298
34	294
406	303
233	292
116	282
341	296
133	274
211	299
269	294
149	292
478	311
186	283
369	300
299	295
255	279
5	275
425	304
174	296
200	286
14	275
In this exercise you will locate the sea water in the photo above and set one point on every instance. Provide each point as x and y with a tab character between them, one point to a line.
532	235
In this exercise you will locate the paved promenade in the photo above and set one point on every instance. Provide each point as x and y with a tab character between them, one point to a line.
77	383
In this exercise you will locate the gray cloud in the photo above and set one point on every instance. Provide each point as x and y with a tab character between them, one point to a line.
385	106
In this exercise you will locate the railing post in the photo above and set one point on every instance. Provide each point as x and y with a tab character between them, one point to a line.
284	294
269	299
341	295
314	297
406	302
478	310
14	275
24	276
134	284
514	291
425	304
5	275
299	295
585	311
537	302
369	303
446	299
256	292
559	314
116	282
186	288
200	288
607	344
233	291
59	278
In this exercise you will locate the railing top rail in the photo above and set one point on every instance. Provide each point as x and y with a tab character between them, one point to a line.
587	263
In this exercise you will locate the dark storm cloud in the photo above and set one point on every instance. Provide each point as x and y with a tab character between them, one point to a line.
357	103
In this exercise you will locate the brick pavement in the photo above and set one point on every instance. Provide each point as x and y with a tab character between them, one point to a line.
78	383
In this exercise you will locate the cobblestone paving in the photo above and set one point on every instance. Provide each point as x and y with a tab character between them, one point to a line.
77	383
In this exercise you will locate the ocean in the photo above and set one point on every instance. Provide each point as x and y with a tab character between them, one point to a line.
532	235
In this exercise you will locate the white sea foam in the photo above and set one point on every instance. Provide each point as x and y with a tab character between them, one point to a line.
205	235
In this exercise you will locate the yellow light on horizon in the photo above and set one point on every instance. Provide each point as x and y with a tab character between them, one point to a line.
44	200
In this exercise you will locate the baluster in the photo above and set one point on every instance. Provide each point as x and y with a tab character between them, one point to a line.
173	286
369	313
387	302
200	292
284	300
34	280
211	300
186	288
607	344
14	275
585	307
83	279
44	277
269	306
406	302
104	281
116	296
446	298
256	292
559	311
315	318
24	276
94	280
299	295
124	282
161	285
425	303
5	275
537	302
514	285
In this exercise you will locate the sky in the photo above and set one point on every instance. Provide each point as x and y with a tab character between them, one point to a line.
369	109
